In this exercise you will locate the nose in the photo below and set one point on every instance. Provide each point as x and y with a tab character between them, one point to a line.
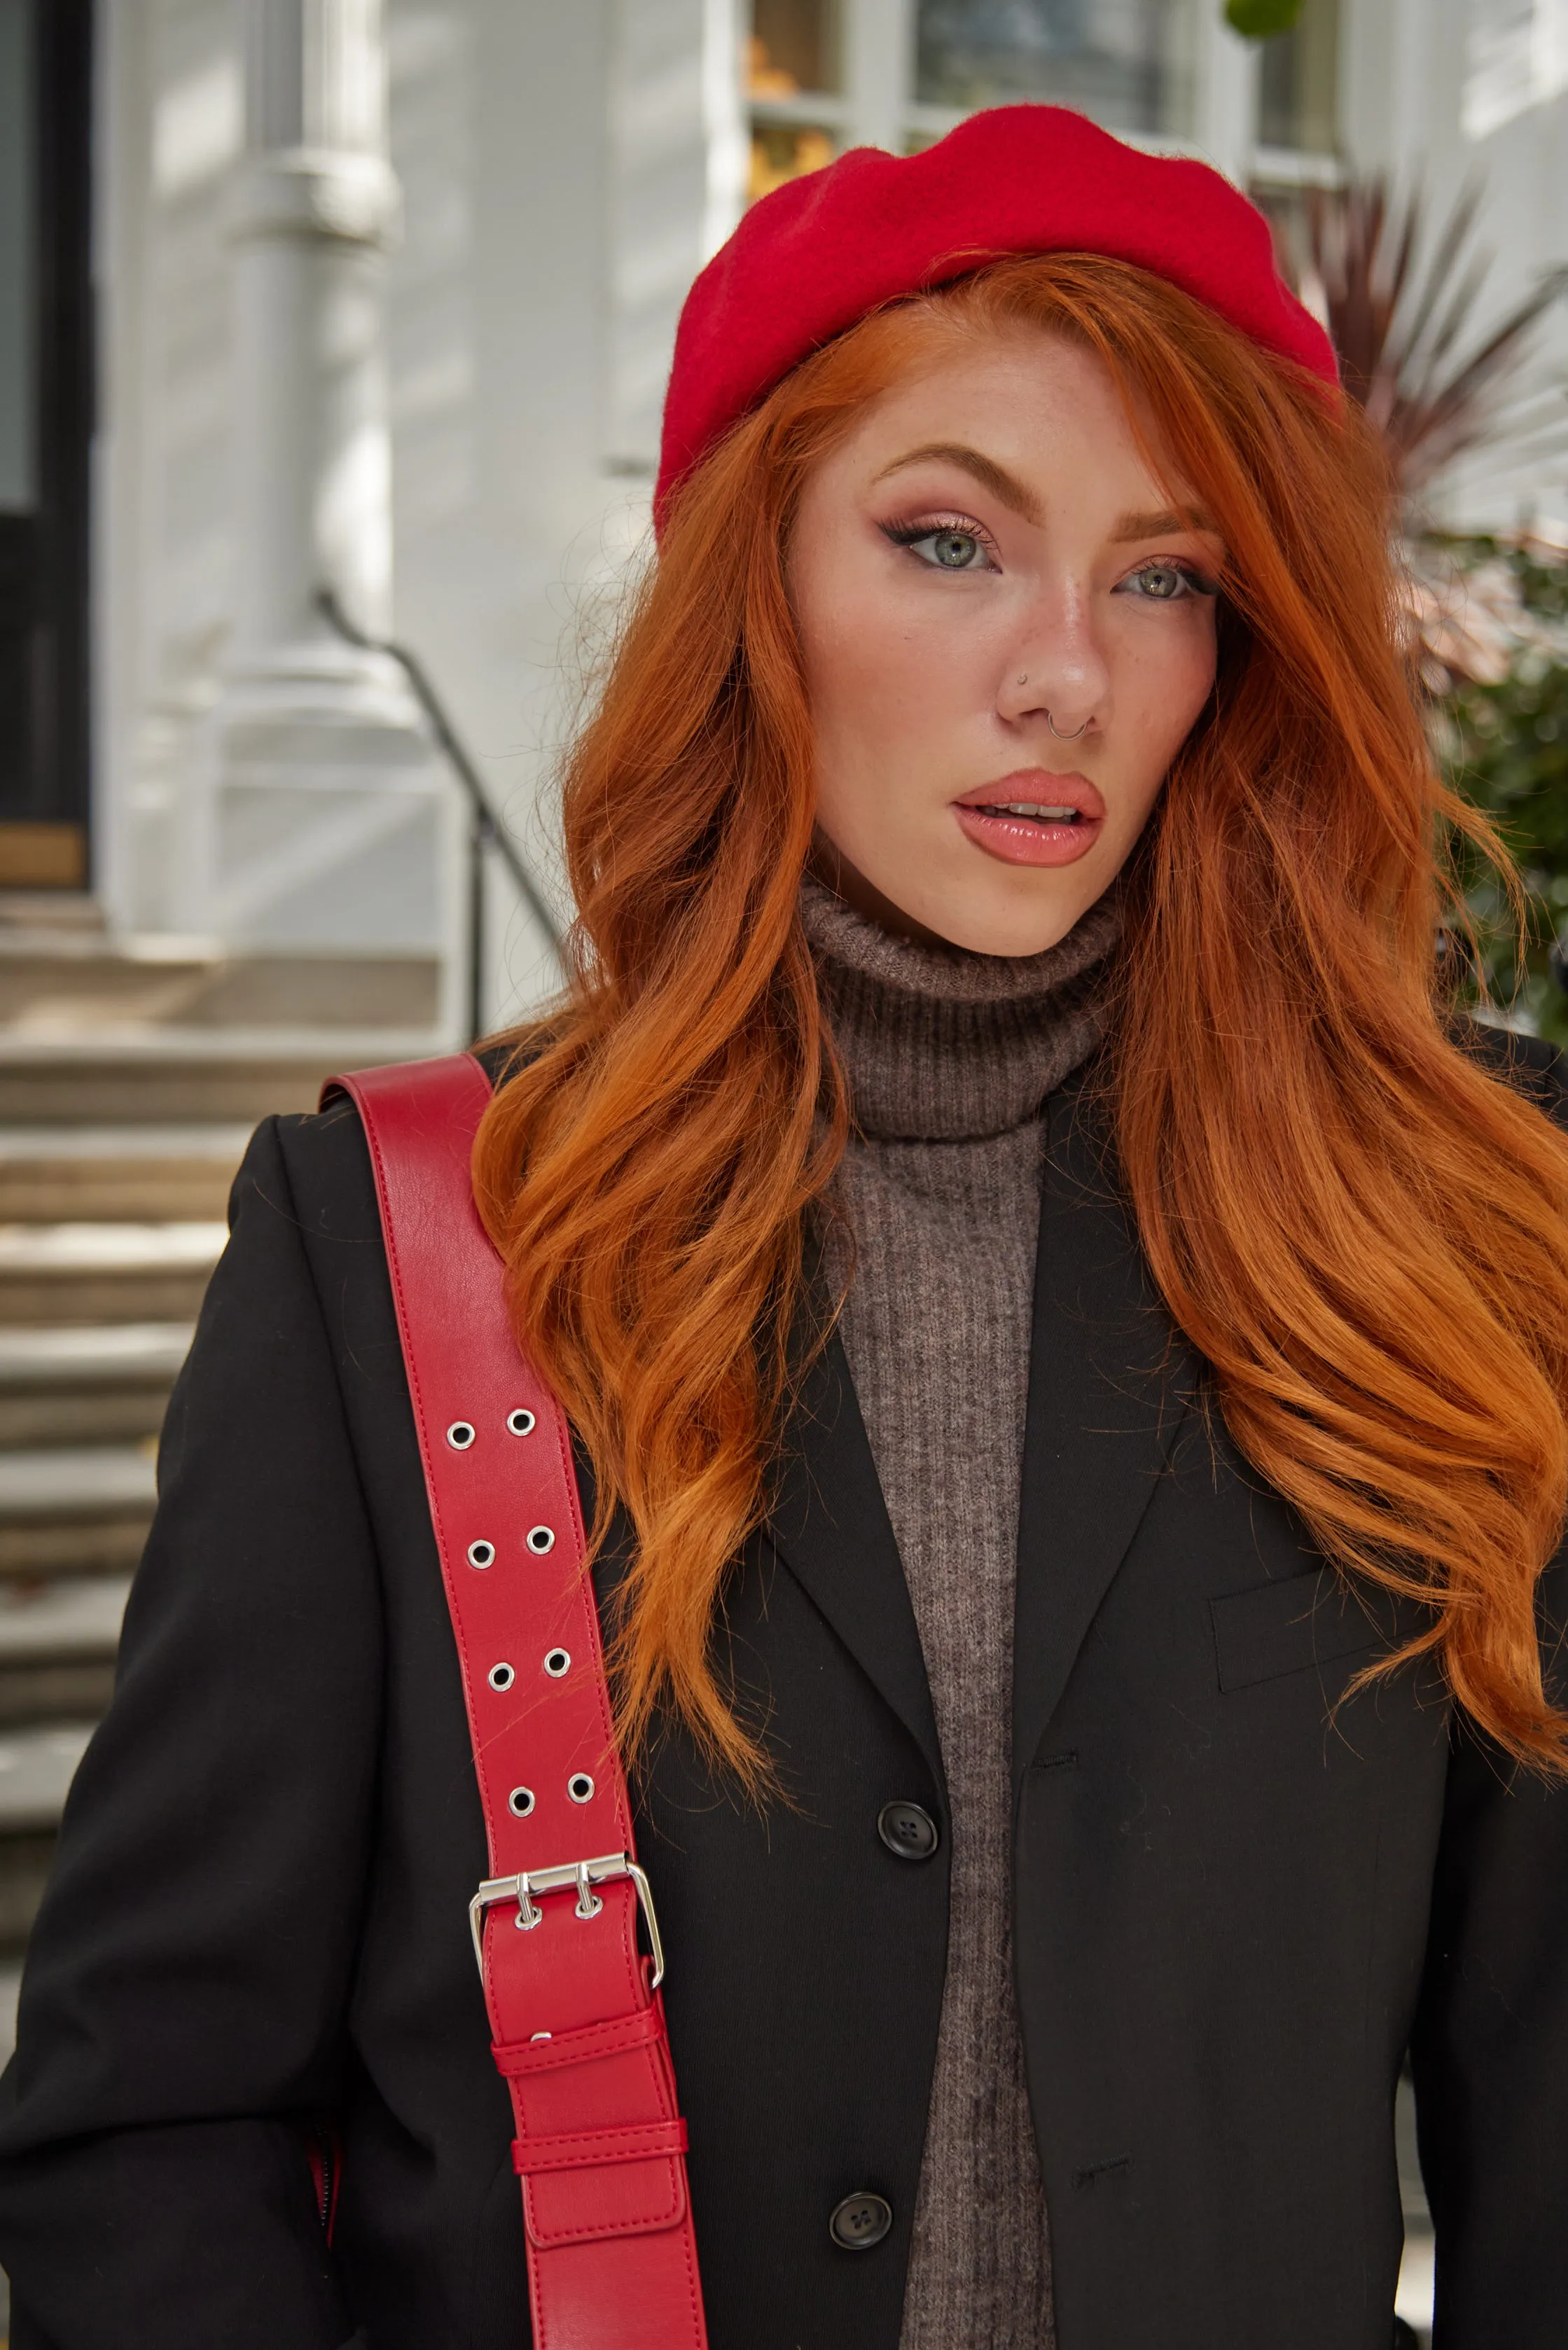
1056	670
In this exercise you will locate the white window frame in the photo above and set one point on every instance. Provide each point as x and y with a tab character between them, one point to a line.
876	108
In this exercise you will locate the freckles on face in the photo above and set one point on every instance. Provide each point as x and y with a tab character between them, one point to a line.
1007	626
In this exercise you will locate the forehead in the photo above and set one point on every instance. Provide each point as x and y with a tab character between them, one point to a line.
1038	402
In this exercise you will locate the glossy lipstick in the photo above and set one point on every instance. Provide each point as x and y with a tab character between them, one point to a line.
1033	818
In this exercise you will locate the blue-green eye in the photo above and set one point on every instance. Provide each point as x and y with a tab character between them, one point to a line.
1165	583
945	550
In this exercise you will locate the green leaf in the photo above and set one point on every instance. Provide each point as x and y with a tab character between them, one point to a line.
1259	20
1505	746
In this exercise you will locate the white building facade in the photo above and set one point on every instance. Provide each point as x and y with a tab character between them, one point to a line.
384	294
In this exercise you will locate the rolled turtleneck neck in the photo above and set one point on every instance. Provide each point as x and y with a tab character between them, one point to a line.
942	1045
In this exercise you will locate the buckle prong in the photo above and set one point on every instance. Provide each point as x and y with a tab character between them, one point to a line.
578	1876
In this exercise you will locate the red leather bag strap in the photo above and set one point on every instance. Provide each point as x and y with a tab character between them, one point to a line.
574	2013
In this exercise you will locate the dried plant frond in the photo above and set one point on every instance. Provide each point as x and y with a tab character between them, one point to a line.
1403	322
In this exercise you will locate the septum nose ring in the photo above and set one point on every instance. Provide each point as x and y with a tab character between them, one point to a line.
1024	680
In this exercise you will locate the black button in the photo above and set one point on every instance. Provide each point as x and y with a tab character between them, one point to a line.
908	1830
860	2221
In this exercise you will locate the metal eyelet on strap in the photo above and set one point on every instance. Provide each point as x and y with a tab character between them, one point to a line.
558	1663
481	1554
540	1539
588	1902
520	1802
521	1422
580	1787
460	1435
501	1677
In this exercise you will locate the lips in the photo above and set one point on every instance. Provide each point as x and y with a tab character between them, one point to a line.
1033	818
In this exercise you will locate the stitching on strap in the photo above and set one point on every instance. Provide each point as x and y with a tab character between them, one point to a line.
590	2149
622	2035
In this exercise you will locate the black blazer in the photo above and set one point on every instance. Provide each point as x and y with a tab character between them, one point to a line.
1235	1906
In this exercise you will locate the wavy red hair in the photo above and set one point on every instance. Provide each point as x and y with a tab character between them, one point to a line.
1362	1232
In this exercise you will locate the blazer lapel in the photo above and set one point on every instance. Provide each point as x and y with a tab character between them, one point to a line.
1110	1382
830	1526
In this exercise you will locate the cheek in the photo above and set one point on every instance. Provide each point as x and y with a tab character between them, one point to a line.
864	665
1165	686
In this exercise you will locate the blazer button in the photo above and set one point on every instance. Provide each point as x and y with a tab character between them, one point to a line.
860	2221
909	1830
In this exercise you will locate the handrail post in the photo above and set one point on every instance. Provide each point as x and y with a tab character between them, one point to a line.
475	928
485	827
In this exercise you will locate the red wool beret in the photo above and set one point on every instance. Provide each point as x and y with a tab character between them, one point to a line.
809	260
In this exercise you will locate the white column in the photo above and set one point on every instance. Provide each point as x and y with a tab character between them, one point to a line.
318	816
678	150
878	71
315	205
1227	109
724	122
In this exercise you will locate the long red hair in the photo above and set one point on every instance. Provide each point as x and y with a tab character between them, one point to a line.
1363	1232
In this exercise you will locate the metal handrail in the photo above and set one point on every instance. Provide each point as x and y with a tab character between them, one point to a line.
485	827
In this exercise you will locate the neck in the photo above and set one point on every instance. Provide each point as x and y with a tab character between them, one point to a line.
939	1044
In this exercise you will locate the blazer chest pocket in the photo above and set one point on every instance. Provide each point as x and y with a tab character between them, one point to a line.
1288	1627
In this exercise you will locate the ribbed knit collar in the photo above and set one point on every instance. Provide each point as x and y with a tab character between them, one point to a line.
940	1046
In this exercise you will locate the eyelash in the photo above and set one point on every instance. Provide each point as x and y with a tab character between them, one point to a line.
1199	582
911	534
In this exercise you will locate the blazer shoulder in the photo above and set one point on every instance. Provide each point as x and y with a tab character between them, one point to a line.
315	1170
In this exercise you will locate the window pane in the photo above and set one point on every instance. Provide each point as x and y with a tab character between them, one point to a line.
794	47
19	324
785	151
1128	63
1298	95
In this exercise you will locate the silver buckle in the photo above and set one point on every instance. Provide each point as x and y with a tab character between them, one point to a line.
580	1876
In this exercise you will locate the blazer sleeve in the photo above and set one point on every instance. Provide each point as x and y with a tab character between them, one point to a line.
180	2016
1489	2052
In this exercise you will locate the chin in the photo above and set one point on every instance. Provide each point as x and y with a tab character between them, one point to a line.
992	922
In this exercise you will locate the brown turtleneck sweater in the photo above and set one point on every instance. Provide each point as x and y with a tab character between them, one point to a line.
949	1057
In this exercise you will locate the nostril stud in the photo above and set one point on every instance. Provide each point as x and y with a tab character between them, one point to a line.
481	1554
541	1539
521	1422
460	1435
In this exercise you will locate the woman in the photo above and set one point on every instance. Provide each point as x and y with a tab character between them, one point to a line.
1084	1702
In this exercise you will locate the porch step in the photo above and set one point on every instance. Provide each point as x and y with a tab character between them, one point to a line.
180	1077
131	1077
75	1509
57	1643
70	980
49	1173
100	1384
88	1273
37	1767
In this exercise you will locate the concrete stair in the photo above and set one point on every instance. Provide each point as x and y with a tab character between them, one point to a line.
88	1385
77	1173
129	1081
54	1274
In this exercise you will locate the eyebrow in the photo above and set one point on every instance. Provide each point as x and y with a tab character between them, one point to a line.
1154	524
985	469
1160	523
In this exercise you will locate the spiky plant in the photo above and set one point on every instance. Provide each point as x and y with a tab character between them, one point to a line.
1403	320
1488	617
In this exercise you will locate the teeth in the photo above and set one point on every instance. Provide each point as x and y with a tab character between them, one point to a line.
1033	807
